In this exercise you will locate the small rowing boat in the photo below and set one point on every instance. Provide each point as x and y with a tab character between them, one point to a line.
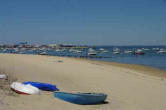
81	98
24	89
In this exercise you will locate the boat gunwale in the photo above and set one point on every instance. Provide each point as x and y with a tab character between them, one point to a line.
83	94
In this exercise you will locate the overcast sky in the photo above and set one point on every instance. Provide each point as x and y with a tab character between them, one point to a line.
90	22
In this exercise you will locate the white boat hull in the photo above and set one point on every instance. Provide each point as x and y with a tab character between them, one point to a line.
24	89
3	76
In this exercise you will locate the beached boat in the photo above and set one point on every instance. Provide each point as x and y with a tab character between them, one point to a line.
3	76
24	89
81	98
43	86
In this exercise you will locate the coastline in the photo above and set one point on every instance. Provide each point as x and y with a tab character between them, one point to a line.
139	68
128	86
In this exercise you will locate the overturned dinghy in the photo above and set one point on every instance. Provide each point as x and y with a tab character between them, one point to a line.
82	98
24	89
43	86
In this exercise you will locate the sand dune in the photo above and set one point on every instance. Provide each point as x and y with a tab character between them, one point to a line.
129	87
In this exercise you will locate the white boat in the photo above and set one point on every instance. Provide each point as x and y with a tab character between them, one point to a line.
127	51
116	51
101	49
57	50
105	51
78	51
91	52
24	89
43	53
162	51
155	49
71	50
3	76
145	49
34	49
138	52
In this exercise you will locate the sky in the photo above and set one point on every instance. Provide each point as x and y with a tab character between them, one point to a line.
83	22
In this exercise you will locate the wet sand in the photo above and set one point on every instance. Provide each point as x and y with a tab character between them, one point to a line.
129	87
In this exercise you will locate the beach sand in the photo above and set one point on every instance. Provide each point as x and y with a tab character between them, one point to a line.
129	87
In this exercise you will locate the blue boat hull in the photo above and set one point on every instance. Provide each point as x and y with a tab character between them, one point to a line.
81	98
43	86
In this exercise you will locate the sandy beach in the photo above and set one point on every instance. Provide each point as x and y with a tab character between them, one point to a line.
129	87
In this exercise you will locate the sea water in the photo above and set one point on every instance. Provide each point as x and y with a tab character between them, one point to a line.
151	57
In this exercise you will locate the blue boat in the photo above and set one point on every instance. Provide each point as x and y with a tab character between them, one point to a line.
81	98
43	86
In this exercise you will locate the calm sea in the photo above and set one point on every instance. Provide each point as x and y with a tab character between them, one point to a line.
150	58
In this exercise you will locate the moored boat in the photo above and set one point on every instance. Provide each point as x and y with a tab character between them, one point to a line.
162	51
43	53
127	51
92	52
139	52
81	98
116	51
